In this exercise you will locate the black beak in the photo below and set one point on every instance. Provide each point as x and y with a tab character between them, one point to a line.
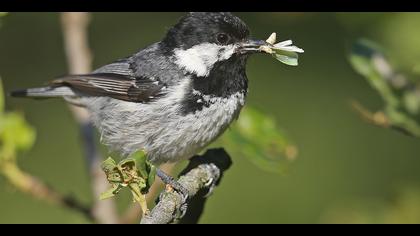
251	46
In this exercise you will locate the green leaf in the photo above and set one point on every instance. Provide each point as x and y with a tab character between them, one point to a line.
362	65
129	164
146	169
108	165
411	102
134	172
257	137
15	133
151	177
362	59
110	192
141	162
403	122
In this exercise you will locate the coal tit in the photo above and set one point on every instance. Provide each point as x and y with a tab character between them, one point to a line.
172	98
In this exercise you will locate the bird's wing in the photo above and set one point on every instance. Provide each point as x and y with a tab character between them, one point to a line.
118	86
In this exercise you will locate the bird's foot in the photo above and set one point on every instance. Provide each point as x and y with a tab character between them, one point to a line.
211	184
172	184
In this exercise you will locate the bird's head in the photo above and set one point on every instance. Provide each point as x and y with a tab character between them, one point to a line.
200	40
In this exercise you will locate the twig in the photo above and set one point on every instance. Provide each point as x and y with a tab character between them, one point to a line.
79	61
35	187
201	170
378	118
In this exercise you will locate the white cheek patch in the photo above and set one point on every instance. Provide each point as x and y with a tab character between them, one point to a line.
201	58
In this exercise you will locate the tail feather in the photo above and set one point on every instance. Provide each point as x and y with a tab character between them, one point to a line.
43	92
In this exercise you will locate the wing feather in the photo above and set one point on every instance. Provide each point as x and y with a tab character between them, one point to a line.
118	86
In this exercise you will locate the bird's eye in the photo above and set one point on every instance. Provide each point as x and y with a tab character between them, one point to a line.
222	38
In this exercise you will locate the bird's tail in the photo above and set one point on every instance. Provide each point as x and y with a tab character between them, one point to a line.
43	92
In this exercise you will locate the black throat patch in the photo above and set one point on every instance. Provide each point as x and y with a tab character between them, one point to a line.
225	79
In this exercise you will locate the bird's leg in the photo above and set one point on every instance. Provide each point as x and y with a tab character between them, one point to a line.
169	180
172	183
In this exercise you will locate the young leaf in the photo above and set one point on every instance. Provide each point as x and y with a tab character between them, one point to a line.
141	159
108	165
146	169
151	177
257	137
134	172
110	192
15	132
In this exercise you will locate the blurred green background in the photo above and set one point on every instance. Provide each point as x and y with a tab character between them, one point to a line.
346	171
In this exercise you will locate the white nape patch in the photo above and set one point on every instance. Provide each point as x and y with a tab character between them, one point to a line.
200	59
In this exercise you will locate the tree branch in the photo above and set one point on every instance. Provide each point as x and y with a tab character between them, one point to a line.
33	186
79	59
201	170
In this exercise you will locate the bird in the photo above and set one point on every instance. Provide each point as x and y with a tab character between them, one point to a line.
172	98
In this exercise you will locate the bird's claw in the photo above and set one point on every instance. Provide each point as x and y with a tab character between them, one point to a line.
184	198
211	183
183	209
